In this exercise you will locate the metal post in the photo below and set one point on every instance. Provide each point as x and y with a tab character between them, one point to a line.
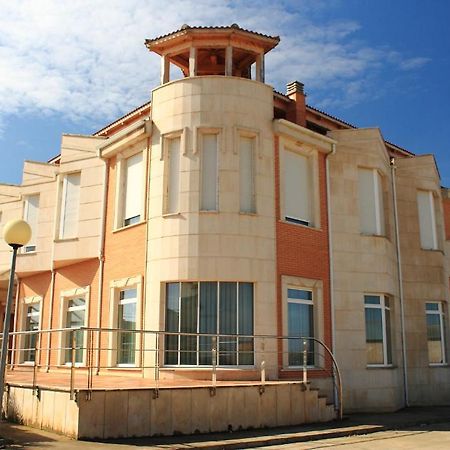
157	362
305	362
6	325
214	361
72	368
35	363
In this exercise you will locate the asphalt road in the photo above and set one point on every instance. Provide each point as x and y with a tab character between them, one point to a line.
429	437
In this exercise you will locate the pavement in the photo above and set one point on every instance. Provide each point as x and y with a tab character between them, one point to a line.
416	418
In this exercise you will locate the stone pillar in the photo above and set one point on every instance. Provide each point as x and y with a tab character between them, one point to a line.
193	62
260	67
229	61
165	69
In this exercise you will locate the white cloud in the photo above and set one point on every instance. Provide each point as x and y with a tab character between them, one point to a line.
86	59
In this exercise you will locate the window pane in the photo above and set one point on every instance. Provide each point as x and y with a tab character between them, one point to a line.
246	323
31	324
367	206
246	174
381	219
70	206
300	325
427	224
31	216
209	172
188	323
208	320
297	191
172	322
299	294
372	300
127	321
434	337
432	306
374	335
173	182
133	189
228	323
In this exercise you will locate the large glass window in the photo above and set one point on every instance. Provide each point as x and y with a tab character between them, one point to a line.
70	205
31	213
209	172
133	185
75	318
427	220
435	333
371	208
297	188
126	345
300	315
224	308
378	330
33	313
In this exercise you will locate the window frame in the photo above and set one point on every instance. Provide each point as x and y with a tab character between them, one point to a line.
116	286
120	188
65	297
379	203
441	313
312	156
381	306
179	350
26	303
31	246
62	191
434	232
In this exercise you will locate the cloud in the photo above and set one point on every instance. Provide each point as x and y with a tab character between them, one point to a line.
86	60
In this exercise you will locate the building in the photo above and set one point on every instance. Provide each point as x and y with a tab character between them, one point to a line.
225	208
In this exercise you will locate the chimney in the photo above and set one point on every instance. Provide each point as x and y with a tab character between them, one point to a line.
296	92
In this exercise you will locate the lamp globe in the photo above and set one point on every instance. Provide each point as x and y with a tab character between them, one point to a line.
17	233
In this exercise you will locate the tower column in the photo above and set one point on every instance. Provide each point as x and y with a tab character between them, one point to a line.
260	67
193	62
229	61
165	69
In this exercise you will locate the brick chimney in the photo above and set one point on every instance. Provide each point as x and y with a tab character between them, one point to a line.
296	92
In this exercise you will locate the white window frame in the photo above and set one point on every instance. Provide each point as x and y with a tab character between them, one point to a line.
432	211
62	187
65	296
31	246
198	146
381	306
380	226
116	286
27	301
166	157
440	312
237	366
119	203
254	136
312	156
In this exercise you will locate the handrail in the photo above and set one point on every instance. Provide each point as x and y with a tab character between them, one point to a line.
87	344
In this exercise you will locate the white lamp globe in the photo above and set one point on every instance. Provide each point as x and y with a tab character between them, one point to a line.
17	233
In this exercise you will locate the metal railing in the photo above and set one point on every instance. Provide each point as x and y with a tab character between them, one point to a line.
80	357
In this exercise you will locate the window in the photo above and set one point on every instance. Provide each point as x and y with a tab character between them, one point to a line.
297	188
371	209
75	318
126	340
435	333
209	172
300	325
173	175
70	205
132	196
32	319
378	330
246	174
30	215
224	308
427	220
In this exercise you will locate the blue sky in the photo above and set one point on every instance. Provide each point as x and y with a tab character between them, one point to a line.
73	67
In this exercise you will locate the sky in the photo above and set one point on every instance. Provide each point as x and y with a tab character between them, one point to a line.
74	67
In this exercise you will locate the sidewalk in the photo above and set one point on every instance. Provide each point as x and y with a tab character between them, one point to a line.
355	424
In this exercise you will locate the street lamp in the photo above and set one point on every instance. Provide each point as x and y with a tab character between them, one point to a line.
16	234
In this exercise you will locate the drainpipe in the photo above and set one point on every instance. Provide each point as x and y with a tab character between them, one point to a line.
330	250
400	285
101	258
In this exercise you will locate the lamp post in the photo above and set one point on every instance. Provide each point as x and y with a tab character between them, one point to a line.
16	234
